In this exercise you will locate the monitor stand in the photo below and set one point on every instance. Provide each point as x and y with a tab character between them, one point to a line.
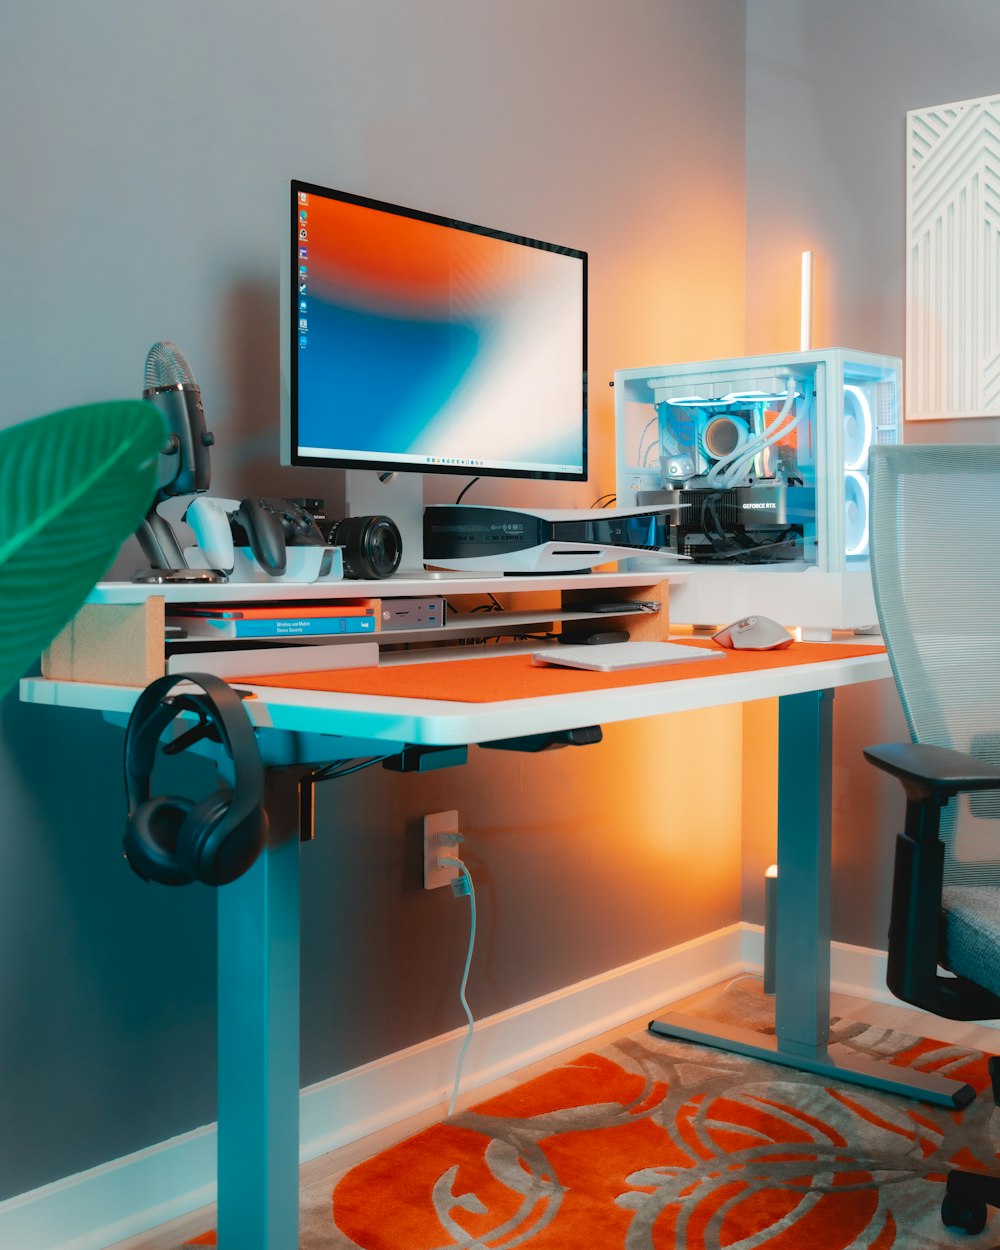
398	496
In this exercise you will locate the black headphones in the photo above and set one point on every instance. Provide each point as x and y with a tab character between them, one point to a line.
174	840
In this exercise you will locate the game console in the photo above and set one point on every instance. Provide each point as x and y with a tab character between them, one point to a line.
473	538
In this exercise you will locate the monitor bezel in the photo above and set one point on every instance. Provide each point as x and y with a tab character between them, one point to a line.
387	464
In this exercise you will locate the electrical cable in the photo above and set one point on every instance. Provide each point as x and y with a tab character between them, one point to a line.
737	548
467	486
743	976
641	454
343	768
494	605
452	861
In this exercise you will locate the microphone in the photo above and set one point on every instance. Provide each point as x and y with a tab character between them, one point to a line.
170	386
185	468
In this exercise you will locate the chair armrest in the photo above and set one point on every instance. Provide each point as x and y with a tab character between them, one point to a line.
927	771
930	776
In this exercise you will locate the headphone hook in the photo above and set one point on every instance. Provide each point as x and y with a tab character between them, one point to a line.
204	728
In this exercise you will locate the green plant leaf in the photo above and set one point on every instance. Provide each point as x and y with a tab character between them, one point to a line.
73	486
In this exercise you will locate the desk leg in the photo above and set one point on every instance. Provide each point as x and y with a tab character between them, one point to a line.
802	963
258	1061
802	966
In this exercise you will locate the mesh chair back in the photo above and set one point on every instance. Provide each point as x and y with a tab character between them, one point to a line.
935	561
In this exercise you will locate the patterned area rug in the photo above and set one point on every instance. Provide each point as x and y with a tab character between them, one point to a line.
649	1144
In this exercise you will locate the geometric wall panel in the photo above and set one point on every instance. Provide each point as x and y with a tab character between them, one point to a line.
953	260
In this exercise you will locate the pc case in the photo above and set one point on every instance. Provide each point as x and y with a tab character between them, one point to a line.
769	456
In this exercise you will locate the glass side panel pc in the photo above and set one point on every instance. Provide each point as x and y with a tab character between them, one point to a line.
768	454
423	343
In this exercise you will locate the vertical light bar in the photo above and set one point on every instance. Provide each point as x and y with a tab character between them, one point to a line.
805	311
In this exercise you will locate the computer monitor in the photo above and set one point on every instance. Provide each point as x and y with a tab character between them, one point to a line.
423	344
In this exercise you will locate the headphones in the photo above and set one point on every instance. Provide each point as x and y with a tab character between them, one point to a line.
174	840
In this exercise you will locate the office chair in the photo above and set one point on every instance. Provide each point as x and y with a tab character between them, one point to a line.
73	486
935	561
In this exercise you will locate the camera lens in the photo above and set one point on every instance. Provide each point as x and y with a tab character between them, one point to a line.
372	545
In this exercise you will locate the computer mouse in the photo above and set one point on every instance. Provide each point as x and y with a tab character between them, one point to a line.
754	633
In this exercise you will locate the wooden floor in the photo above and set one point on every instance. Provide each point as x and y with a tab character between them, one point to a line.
327	1167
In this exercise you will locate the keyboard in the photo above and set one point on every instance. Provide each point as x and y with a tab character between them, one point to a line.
611	656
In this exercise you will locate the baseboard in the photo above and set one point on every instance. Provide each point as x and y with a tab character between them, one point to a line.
94	1209
371	1097
115	1200
126	1196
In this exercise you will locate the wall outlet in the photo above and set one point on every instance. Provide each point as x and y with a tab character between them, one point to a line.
441	837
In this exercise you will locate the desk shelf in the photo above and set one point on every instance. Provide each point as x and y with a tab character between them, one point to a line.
119	636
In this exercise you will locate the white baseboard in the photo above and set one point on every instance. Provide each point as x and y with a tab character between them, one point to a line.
126	1196
371	1097
108	1203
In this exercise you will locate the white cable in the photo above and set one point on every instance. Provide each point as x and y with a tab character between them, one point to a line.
643	456
737	463
457	863
723	468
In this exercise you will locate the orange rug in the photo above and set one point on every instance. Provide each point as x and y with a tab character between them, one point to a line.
650	1144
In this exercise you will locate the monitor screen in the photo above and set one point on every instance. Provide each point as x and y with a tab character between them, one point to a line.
432	345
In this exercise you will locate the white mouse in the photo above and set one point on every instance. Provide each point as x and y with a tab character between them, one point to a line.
754	633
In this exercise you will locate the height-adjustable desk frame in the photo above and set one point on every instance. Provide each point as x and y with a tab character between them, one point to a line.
258	943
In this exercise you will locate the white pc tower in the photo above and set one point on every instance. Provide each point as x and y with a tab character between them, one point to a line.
769	456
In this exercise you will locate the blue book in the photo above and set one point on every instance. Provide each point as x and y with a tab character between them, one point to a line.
225	626
295	626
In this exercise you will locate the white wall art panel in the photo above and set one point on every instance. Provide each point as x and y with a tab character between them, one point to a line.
953	261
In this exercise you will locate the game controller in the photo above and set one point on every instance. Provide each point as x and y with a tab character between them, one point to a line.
267	526
299	525
210	521
260	523
271	526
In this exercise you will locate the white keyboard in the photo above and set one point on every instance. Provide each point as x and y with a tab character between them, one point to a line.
607	657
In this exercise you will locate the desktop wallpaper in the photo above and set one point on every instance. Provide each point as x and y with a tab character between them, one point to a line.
434	344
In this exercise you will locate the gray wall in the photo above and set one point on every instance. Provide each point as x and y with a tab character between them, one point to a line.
145	155
828	89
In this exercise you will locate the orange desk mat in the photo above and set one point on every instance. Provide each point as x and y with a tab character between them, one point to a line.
491	679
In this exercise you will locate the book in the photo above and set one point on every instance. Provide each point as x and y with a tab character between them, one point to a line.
608	657
282	627
279	611
275	622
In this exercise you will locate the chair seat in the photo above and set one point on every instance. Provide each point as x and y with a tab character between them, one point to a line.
972	933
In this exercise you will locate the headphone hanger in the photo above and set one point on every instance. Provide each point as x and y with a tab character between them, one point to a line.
206	727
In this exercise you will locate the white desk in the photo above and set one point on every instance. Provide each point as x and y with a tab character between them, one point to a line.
258	995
